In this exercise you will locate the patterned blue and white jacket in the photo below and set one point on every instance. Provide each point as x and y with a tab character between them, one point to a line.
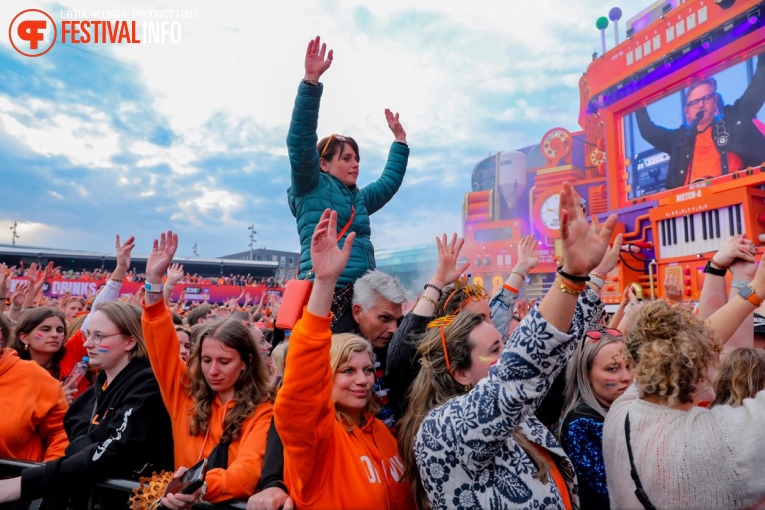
464	449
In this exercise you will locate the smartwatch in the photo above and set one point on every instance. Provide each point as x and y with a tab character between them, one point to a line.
710	269
748	293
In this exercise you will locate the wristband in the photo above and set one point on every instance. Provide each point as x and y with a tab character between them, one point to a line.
738	284
710	269
440	291
311	83
426	298
523	276
597	281
572	277
153	287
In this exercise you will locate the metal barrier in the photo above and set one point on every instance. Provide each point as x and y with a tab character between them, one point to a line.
112	494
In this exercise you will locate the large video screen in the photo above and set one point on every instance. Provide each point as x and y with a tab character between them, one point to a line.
713	126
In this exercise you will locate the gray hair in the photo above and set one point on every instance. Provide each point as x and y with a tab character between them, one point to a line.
374	285
578	387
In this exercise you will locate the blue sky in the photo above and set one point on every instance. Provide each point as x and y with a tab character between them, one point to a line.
136	139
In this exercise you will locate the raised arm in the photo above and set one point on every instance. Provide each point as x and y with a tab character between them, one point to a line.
174	275
379	193
403	359
302	139
158	329
752	99
727	319
504	300
536	352
304	413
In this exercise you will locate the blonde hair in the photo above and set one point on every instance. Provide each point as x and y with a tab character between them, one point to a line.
434	386
127	318
279	355
672	350
741	375
344	346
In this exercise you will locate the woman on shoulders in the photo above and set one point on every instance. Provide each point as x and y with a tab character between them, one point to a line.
220	405
325	174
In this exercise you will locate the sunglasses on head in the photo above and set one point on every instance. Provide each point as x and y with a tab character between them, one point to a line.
598	334
339	138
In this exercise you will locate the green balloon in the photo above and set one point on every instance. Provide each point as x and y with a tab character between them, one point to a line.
602	23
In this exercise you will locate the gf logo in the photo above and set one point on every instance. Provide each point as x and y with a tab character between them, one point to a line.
30	30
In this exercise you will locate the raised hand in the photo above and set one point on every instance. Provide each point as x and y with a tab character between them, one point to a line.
736	247
395	125
584	245
447	270
673	288
315	64
162	253
123	252
329	260
528	256
174	273
612	255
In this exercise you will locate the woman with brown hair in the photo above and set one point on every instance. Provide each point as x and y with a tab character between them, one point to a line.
39	336
470	438
220	404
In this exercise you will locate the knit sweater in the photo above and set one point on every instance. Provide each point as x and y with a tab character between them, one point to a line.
702	458
464	449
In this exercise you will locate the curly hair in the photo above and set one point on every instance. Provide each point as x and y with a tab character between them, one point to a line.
671	350
250	390
741	375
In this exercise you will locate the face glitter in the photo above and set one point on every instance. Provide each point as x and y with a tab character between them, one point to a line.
485	359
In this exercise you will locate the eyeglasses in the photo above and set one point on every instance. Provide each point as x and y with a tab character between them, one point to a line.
97	337
598	334
703	99
339	138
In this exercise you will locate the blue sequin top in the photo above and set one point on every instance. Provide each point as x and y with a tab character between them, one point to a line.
582	438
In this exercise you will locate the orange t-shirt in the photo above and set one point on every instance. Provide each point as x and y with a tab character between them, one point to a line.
706	158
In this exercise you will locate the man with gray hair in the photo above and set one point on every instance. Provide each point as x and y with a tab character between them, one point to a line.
377	308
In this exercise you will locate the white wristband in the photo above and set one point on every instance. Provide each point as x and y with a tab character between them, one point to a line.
597	281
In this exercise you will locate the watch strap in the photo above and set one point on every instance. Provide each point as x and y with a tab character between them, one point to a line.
748	293
710	269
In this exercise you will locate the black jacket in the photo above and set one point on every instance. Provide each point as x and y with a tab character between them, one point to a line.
732	132
120	432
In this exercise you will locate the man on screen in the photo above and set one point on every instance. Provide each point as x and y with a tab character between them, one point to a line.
718	139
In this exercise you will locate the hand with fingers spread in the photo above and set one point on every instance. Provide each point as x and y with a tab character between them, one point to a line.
584	245
327	258
612	256
447	270
315	63
528	256
174	274
123	253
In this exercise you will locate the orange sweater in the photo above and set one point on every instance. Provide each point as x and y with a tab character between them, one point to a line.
33	406
245	455
326	467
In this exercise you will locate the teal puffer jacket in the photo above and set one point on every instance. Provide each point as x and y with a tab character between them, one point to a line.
312	190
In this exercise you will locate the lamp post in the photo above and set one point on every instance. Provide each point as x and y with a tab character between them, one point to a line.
251	228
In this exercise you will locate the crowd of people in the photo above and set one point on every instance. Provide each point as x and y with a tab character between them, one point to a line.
456	399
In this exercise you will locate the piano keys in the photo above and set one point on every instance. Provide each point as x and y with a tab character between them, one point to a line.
700	232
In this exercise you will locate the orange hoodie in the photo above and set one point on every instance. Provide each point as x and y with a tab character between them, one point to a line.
326	467
33	406
245	455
